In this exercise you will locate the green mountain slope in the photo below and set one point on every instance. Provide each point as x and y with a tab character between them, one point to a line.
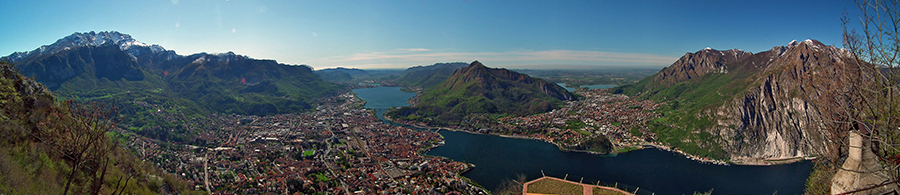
428	76
229	83
41	139
479	90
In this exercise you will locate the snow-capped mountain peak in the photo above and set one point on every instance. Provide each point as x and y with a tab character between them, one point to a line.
793	43
126	43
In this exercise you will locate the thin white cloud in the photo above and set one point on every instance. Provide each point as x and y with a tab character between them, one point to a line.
402	58
414	49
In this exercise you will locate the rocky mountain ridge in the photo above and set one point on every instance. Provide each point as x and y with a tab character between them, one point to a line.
693	65
124	41
752	106
780	118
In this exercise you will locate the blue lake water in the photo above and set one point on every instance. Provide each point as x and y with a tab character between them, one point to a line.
382	98
497	158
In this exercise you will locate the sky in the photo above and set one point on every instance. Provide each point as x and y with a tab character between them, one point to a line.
392	34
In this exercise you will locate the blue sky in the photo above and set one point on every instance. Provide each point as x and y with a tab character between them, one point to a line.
401	33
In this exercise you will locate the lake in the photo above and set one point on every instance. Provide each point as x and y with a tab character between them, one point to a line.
382	98
497	158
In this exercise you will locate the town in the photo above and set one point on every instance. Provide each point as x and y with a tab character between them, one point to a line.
343	149
338	149
615	116
618	117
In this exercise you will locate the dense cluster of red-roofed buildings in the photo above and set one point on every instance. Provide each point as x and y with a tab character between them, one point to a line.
337	150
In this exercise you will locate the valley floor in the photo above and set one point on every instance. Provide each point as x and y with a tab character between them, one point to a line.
337	149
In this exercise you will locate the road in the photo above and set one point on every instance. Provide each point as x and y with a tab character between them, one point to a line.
327	152
206	172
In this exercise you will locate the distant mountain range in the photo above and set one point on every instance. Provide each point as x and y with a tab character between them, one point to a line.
479	90
341	74
742	106
125	43
417	77
114	67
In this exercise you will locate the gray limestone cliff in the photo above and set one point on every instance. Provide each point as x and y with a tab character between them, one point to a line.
780	117
768	105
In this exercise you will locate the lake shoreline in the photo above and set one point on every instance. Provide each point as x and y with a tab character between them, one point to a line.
495	158
562	148
647	145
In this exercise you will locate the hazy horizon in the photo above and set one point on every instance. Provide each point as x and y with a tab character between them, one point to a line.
521	67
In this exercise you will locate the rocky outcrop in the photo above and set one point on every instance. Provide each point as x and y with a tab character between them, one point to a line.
26	87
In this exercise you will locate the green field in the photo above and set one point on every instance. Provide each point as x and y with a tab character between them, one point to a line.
553	186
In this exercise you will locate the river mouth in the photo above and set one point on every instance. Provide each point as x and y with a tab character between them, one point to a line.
498	158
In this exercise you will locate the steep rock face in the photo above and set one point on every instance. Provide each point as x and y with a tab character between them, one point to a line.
769	105
780	117
694	65
768	124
